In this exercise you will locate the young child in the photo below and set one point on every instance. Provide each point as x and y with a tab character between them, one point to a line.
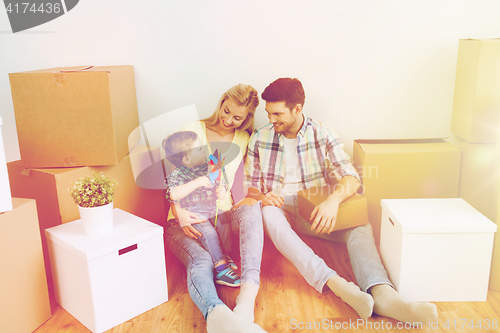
189	185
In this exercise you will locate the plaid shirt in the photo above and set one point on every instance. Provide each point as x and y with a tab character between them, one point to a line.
320	151
201	196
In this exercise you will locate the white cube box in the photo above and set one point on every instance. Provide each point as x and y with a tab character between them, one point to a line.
105	280
436	249
5	195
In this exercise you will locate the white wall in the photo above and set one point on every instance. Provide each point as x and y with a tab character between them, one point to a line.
371	69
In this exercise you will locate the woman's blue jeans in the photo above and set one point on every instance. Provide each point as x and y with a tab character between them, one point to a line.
246	223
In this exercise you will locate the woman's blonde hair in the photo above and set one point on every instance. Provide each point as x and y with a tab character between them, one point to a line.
241	95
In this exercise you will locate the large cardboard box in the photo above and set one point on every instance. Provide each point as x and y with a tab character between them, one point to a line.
437	250
352	212
24	304
480	187
72	116
106	280
405	169
5	195
476	103
55	206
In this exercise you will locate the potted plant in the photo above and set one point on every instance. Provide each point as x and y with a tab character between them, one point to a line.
94	197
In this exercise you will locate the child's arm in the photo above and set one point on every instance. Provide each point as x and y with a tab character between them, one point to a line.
181	191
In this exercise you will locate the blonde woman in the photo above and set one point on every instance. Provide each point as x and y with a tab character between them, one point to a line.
227	130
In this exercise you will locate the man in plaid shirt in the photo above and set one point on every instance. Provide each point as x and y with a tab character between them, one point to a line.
293	153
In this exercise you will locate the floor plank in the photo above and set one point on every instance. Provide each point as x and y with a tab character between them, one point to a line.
286	303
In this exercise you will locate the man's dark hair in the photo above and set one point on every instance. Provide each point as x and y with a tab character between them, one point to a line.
285	90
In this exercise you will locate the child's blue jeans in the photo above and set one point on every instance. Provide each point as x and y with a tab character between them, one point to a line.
216	239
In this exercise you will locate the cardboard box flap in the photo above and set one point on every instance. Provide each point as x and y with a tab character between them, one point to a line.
444	215
71	69
119	239
402	146
399	141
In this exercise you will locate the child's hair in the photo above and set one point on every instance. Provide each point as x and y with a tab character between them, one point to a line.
177	145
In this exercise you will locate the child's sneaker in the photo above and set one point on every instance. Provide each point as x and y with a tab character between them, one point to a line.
231	263
226	276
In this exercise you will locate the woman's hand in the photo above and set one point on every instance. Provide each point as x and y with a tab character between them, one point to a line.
186	218
191	232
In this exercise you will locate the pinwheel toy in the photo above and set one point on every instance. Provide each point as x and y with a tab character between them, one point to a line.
217	166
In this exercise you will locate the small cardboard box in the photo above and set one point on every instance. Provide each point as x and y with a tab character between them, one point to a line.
74	116
405	169
55	206
25	299
352	212
437	250
476	102
106	280
480	187
5	195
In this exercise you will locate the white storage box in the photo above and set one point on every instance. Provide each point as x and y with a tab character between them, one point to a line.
5	195
436	249
105	280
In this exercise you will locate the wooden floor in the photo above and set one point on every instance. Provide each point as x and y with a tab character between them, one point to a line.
286	303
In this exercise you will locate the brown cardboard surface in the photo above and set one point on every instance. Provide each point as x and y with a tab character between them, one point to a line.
480	187
25	299
55	206
476	103
352	212
405	170
67	117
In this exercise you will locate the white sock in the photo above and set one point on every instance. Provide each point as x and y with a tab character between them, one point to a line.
350	293
245	302
389	303
223	320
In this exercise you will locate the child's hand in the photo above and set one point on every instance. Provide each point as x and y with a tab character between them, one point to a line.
221	192
203	181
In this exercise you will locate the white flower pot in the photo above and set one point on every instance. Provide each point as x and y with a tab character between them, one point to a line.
97	220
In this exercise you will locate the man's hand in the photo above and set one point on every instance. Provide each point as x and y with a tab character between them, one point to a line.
325	216
271	199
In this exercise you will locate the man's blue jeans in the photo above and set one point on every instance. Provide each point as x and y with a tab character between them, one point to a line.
281	224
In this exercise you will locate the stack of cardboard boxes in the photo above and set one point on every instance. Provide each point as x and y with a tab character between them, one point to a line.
23	288
72	122
405	169
476	132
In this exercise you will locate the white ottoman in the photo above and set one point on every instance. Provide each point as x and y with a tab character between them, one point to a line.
106	280
436	249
